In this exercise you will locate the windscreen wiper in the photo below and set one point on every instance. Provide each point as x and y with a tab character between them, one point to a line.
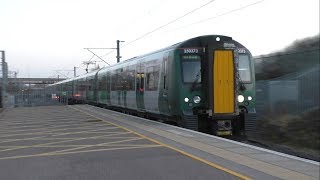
194	83
242	87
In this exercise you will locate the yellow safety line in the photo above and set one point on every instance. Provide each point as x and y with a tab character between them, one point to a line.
170	147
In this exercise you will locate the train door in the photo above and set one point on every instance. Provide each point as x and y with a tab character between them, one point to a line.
103	93
140	86
163	90
108	88
95	88
223	84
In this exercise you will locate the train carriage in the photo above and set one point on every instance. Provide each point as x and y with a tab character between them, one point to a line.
206	83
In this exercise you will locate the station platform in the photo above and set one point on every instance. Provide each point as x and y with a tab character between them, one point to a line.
87	142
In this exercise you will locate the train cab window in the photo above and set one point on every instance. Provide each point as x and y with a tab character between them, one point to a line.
244	68
191	69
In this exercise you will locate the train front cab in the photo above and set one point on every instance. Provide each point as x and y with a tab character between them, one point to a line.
225	87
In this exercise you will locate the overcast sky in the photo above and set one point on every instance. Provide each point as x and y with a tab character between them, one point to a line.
44	38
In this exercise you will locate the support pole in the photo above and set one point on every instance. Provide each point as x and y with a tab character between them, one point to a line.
118	51
4	79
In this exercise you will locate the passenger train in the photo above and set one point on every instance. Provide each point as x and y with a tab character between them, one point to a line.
206	83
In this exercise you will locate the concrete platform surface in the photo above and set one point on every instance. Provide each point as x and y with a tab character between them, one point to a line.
87	142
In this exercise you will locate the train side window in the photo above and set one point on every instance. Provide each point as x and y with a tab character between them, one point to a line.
113	82
142	81
119	81
104	83
130	80
138	81
165	73
140	78
81	85
90	85
99	84
152	78
108	81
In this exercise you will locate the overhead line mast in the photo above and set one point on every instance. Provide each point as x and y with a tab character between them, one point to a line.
117	48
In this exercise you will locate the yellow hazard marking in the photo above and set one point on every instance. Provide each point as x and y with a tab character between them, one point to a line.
63	138
18	129
71	146
87	146
76	139
12	140
170	147
76	152
88	131
55	132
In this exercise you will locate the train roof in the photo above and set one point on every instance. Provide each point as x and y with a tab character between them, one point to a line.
183	43
76	78
196	41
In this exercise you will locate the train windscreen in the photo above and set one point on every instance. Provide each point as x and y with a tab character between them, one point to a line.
244	68
191	66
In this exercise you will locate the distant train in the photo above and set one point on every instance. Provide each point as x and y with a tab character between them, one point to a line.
206	83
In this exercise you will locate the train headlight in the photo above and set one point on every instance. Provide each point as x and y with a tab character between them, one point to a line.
249	98
186	99
240	98
196	99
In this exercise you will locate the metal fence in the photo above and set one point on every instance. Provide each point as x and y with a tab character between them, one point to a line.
31	97
288	111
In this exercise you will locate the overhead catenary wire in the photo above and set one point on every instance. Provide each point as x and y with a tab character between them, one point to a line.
219	15
190	12
97	56
164	25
